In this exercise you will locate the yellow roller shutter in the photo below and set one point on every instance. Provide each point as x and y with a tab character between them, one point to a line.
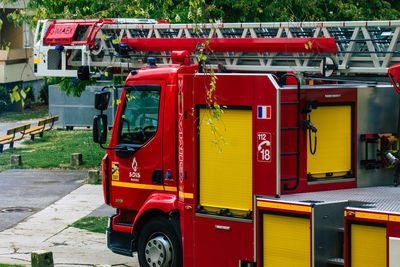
226	177
368	246
333	153
286	241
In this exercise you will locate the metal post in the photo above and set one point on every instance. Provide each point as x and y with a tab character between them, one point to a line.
278	141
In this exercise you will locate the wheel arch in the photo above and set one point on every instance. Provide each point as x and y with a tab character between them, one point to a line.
158	204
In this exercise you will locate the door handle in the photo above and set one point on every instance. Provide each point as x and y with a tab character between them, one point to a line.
223	227
157	177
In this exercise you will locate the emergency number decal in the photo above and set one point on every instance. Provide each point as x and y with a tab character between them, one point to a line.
264	112
263	147
115	171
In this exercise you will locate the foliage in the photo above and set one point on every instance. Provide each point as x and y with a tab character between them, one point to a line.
44	91
204	10
19	94
16	94
5	102
92	224
301	10
71	86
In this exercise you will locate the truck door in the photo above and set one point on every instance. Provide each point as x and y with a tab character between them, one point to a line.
137	164
231	153
224	214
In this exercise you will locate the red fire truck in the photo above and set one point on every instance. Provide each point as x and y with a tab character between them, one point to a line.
299	170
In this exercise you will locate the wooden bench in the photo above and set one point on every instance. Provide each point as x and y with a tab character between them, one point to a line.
13	134
43	126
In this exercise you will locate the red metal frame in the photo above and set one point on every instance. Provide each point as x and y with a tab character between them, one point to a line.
394	75
61	32
289	114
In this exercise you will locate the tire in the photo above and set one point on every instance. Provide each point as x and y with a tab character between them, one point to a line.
158	245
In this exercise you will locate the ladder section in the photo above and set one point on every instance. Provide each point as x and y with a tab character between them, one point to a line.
290	135
363	47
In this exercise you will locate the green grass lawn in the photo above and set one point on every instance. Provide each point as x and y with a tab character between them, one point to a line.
11	265
36	112
54	151
92	224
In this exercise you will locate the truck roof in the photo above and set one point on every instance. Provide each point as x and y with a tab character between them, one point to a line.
166	73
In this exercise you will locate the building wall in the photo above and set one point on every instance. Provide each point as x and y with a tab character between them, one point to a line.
11	36
16	61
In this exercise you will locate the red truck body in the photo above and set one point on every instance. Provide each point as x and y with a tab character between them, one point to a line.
164	174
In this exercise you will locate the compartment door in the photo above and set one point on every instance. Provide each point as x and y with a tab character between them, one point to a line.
368	245
224	187
286	241
225	160
333	154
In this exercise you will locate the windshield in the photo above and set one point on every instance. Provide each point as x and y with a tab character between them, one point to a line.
140	114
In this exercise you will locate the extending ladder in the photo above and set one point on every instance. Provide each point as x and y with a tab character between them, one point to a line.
363	47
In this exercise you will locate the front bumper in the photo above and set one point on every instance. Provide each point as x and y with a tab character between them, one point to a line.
120	242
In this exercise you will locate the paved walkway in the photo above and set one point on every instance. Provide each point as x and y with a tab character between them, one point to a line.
4	126
49	230
23	192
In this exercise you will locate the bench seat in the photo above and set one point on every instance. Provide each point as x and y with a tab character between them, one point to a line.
14	134
6	138
34	130
10	138
41	127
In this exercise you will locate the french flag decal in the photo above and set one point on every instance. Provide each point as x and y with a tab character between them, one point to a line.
264	112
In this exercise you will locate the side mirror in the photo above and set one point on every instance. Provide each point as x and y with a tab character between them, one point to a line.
100	129
101	100
84	73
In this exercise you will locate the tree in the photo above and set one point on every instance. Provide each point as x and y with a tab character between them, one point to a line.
222	10
199	11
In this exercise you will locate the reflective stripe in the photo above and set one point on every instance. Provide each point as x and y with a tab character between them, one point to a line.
283	206
144	186
394	218
372	216
186	195
170	188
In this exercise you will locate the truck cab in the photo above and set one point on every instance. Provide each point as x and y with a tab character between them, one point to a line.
140	166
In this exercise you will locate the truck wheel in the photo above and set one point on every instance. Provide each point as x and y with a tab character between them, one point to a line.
158	244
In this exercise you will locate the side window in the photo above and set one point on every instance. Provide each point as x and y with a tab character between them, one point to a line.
139	121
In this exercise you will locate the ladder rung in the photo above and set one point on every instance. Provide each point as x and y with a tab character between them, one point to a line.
290	154
289	103
289	129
